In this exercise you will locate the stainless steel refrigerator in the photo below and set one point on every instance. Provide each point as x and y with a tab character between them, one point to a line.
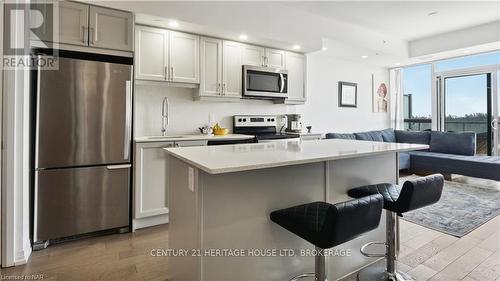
82	148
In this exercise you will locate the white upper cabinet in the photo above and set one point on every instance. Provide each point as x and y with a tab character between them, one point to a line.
232	69
211	66
151	50
184	60
275	58
296	66
253	55
73	23
110	29
164	55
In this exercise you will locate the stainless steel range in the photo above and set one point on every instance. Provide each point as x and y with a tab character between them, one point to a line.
263	127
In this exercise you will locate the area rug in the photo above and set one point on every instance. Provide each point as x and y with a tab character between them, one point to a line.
462	209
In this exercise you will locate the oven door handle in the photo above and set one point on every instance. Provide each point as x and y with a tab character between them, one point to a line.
282	82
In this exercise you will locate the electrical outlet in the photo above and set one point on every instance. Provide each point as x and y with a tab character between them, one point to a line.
191	179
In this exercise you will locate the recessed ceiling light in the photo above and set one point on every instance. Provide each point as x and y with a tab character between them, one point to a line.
296	47
243	37
397	64
433	13
466	51
324	48
173	23
364	57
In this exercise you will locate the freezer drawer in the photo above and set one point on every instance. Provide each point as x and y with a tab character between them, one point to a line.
80	200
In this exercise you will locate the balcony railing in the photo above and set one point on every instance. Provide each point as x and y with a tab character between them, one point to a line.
418	124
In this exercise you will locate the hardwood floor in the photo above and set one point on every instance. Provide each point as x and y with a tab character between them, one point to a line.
114	257
426	254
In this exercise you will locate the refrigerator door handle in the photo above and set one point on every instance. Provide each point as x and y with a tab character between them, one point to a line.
128	117
116	167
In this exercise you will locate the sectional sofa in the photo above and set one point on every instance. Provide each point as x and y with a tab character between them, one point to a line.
448	153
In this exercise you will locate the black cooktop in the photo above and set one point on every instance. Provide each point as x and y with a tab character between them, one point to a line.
276	136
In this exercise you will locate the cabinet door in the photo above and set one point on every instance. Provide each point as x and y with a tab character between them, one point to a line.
275	58
231	69
151	51
253	55
296	64
111	29
151	179
73	23
184	57
211	66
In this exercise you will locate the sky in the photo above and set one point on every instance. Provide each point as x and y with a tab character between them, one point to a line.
465	95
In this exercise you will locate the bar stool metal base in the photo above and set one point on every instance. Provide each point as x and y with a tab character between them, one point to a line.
379	273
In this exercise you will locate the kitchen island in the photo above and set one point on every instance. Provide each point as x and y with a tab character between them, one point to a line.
220	199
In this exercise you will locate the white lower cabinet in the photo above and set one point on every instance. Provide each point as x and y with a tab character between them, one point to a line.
150	184
151	181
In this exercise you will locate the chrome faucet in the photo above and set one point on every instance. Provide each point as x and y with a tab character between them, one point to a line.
164	116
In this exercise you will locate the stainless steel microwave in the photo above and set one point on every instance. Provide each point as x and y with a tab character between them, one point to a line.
265	82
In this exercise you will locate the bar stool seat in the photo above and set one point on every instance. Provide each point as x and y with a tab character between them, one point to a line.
414	194
328	225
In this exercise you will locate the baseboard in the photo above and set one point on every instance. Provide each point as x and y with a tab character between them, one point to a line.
150	221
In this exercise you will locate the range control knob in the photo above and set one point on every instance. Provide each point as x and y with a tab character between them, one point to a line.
244	120
239	120
272	119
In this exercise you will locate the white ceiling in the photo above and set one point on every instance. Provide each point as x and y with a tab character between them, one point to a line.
382	30
408	20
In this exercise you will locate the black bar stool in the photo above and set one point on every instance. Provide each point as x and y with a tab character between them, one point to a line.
414	194
326	225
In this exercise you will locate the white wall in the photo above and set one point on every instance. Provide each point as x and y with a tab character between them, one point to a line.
187	115
322	111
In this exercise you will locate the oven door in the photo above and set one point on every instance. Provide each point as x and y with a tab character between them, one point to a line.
265	82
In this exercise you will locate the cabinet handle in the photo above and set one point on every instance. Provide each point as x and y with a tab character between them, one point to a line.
223	89
85	35
92	36
217	89
263	60
165	72
171	73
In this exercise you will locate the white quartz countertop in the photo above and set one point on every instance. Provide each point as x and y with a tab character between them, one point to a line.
242	157
193	137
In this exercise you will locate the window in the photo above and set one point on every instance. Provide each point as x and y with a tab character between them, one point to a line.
417	99
468	61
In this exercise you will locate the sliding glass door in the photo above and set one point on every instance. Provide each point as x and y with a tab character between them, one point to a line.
467	102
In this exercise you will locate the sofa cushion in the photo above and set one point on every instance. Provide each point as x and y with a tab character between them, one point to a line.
340	136
370	136
388	135
453	143
422	137
485	167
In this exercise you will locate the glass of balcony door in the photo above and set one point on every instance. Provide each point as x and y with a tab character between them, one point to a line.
496	122
468	108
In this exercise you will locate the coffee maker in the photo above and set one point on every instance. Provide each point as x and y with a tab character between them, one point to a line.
294	125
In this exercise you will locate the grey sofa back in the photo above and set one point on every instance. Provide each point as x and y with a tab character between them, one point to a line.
440	142
423	137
